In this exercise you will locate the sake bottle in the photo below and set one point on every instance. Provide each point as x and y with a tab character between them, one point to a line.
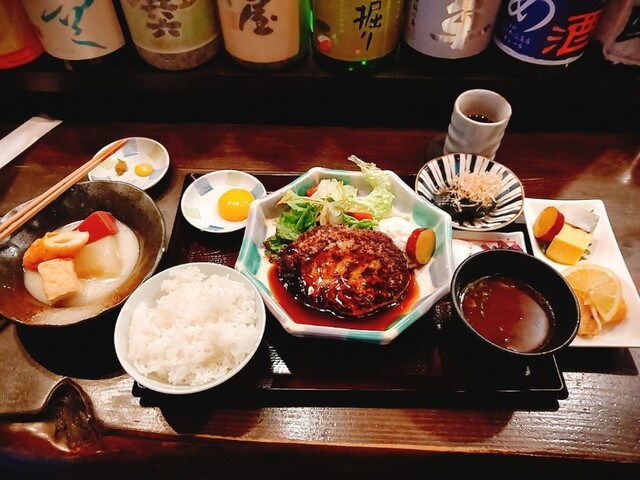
174	35
267	34
356	36
543	37
82	34
19	43
448	36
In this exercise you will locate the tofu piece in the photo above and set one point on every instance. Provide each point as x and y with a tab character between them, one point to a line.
59	278
569	245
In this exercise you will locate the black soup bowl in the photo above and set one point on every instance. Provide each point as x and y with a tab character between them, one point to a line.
512	303
128	203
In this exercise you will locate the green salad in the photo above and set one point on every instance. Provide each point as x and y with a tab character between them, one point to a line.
333	202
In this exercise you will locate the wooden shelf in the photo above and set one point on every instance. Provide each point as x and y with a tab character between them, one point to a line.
592	95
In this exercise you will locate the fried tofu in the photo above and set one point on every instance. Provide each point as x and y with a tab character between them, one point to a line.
59	278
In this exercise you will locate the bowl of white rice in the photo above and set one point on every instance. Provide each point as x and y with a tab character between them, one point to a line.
189	328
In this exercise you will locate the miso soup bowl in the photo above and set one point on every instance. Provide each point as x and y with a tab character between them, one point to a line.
551	288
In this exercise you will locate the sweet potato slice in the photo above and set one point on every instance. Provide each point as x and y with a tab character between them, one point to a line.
548	224
421	245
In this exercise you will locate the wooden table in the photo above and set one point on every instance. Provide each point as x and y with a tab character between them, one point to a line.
594	431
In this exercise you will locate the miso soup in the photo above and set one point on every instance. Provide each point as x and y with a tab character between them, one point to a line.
508	312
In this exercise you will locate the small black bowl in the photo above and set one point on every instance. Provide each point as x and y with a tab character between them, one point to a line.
535	273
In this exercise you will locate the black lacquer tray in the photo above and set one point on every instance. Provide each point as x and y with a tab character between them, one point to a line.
426	363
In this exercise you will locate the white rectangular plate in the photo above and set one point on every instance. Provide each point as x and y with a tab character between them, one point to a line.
603	251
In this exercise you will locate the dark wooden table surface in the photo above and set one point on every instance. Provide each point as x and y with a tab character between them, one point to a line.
59	423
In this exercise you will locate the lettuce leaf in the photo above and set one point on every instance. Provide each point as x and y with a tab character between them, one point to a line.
328	204
380	200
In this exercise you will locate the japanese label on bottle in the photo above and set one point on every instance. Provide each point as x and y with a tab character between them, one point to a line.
546	32
261	31
353	30
450	28
171	26
73	30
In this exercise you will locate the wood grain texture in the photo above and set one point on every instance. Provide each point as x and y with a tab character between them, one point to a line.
596	430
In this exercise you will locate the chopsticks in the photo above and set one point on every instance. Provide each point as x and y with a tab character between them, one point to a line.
21	217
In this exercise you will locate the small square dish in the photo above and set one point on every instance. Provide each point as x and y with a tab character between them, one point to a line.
603	251
432	280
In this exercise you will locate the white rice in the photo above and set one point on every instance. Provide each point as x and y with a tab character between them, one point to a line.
199	329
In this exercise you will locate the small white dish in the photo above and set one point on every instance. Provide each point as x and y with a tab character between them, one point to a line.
137	151
603	251
437	174
148	293
466	244
199	203
433	279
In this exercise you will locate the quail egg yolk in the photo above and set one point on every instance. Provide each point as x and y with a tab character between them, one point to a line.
144	169
233	205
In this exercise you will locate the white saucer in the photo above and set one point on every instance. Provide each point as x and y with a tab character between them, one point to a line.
199	202
137	150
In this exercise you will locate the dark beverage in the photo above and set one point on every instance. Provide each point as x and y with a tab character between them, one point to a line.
478	117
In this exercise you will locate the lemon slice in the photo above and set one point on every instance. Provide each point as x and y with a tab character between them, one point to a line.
599	291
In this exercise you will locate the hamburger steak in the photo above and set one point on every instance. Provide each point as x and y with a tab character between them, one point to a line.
347	271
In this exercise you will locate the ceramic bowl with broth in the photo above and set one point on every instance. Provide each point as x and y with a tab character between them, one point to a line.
129	204
511	302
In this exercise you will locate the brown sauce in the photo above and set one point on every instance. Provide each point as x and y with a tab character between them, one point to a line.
508	312
378	321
